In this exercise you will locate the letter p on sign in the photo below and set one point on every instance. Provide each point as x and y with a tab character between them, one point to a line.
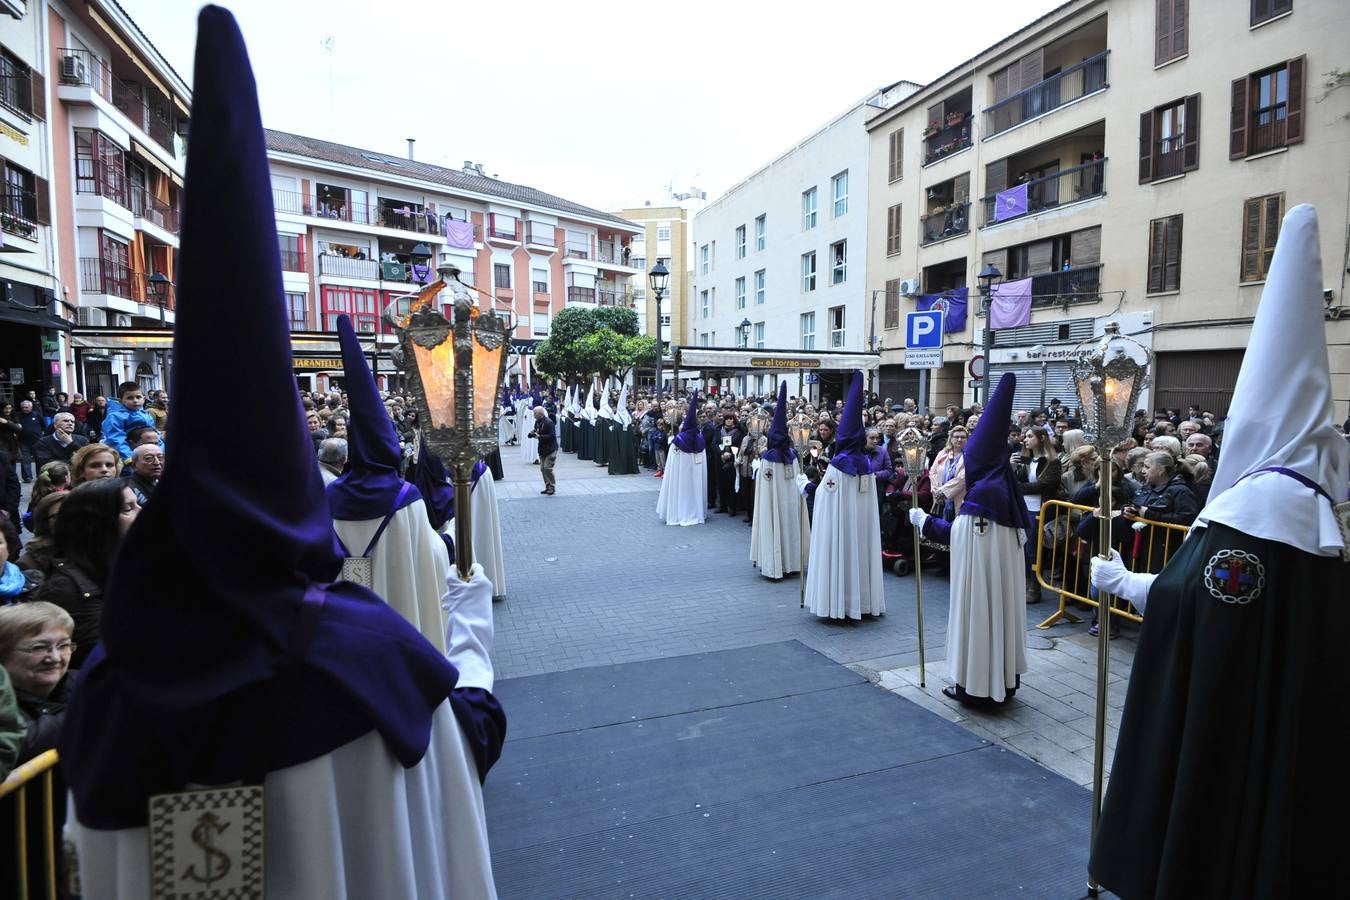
923	330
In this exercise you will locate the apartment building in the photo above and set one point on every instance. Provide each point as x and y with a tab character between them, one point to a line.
780	260
1076	152
360	230
665	237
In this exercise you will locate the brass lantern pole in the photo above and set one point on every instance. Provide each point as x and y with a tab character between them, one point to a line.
1109	374
454	369
914	449
800	429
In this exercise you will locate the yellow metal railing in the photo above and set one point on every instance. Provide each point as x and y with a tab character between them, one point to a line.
17	784
1061	557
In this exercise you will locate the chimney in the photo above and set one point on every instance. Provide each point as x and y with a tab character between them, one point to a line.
411	141
468	167
478	167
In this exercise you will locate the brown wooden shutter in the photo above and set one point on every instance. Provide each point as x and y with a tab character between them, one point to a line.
1172	255
1031	66
1251	240
1190	159
995	177
39	86
1293	124
1146	147
1180	28
1085	247
1271	218
1237	127
1162	32
893	230
42	194
1261	10
1157	233
897	154
893	303
1040	257
998	259
1000	79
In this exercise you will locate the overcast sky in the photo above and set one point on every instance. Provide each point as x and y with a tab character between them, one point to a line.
604	104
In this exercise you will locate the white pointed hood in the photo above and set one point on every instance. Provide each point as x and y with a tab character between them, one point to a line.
589	409
1282	410
606	411
622	414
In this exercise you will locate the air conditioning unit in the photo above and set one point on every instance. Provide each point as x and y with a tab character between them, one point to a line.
123	321
72	70
910	287
91	317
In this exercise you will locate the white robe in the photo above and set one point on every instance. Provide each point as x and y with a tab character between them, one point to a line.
987	615
529	447
506	426
409	563
350	825
844	578
778	520
487	533
684	489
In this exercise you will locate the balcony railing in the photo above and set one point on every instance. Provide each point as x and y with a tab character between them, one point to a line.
1068	186
152	209
292	202
16	89
576	250
1081	284
615	298
80	67
292	260
18	211
103	179
949	138
104	276
580	295
407	218
1269	136
332	264
541	234
1064	87
503	227
614	257
945	223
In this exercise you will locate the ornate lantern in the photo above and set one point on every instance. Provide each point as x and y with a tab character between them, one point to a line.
914	455
759	421
914	450
800	428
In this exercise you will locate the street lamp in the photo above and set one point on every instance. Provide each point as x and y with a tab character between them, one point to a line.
1110	376
745	332
419	264
454	369
158	286
914	453
658	277
988	275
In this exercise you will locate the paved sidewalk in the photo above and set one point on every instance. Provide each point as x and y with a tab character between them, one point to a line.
575	478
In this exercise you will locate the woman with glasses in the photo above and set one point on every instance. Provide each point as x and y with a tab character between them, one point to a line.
948	474
35	650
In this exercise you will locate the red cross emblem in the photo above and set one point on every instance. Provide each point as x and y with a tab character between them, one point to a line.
1235	576
830	483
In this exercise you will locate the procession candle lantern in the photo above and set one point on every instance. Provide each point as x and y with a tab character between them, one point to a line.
759	422
914	455
455	369
1110	373
801	434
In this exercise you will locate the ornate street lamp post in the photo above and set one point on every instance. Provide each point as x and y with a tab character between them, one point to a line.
454	371
659	277
914	449
988	275
1110	372
158	285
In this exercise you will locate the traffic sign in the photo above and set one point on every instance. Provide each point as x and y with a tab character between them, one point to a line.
923	359
976	367
923	330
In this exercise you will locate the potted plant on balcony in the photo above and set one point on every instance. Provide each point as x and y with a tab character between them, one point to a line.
955	118
932	129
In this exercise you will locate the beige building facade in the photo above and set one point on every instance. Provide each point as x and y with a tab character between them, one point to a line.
1133	159
665	237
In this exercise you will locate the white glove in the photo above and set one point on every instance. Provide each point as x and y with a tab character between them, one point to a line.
468	629
1111	576
802	481
917	517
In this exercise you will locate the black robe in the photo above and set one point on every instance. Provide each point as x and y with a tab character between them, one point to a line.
566	432
602	440
1228	781
586	433
623	455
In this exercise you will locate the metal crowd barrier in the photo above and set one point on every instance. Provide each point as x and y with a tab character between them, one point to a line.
17	784
1062	558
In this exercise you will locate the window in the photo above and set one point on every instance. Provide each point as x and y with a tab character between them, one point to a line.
1260	227
24	203
712	255
759	335
539	280
1265	10
839	262
292	252
893	230
297	307
808	331
663	234
704	259
808	209
1169	31
1267	109
100	167
740	292
501	275
897	159
836	327
759	288
893	303
839	190
1167	146
359	303
705	304
761	225
22	90
809	271
539	324
1164	255
703	339
740	242
640	263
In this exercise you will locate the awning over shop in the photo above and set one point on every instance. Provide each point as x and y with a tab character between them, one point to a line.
742	360
121	339
21	315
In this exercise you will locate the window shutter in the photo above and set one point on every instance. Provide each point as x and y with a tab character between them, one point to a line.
1000	79
893	303
1040	257
897	154
39	86
1261	10
1171	276
1156	242
935	114
1251	240
961	188
1270	229
1032	65
998	259
1237	128
1190	159
1162	32
1146	147
1293	125
42	194
1085	247
893	230
995	177
1180	29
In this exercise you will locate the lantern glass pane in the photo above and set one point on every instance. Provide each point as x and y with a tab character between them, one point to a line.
1088	401
1117	392
487	372
436	371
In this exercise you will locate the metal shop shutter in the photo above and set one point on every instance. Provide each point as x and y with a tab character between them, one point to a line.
1203	377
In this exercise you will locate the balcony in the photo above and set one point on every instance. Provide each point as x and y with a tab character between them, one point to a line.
18	212
576	250
104	276
1267	133
580	295
1068	287
153	210
82	68
16	89
406	217
1060	89
293	261
102	179
343	267
541	234
615	298
503	228
941	140
944	223
1037	195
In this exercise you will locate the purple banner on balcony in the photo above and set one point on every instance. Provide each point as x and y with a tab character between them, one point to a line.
953	305
1010	304
1011	203
459	234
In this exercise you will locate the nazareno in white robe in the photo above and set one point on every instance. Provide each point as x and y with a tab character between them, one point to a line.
487	533
844	577
352	824
529	447
409	564
778	520
506	426
684	488
987	615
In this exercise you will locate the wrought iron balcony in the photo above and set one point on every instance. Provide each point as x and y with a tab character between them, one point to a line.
1067	287
945	223
1067	186
941	140
105	276
152	209
80	67
18	212
343	267
1087	77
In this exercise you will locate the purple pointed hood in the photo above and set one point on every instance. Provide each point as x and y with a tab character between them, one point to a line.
993	492
690	439
850	440
780	442
371	485
227	651
430	477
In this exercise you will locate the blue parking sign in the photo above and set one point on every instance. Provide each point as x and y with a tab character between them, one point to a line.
923	330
